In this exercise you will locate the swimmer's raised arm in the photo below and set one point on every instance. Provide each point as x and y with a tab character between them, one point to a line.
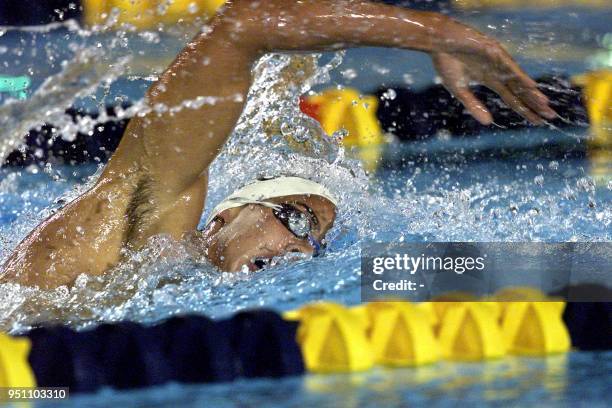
156	181
215	67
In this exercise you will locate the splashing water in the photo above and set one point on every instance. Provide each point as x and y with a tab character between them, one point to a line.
429	200
55	95
272	137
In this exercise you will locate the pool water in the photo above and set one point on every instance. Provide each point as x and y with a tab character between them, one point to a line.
531	185
576	379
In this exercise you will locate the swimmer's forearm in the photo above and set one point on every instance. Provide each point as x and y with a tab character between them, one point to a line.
277	25
461	54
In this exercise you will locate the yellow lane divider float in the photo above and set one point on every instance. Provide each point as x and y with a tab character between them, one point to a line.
146	14
532	328
400	333
469	331
597	92
347	109
15	369
334	338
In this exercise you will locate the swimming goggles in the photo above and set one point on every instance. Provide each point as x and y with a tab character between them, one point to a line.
299	224
293	219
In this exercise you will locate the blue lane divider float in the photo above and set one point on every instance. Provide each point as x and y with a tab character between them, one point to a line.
189	349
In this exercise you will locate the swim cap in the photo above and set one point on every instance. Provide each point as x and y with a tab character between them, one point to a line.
259	191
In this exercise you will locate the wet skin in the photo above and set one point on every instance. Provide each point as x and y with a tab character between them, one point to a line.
157	179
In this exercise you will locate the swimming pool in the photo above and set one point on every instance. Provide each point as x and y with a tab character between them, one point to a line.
500	186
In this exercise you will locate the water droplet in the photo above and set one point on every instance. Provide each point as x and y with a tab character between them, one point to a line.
539	180
150	37
586	184
193	8
380	69
349	74
389	94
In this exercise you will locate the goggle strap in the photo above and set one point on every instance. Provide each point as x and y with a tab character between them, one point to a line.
316	246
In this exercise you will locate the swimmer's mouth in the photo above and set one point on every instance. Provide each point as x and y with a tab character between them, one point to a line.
259	263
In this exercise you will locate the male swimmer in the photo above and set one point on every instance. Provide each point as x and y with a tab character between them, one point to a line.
156	181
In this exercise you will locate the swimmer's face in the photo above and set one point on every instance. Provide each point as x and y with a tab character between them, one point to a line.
252	235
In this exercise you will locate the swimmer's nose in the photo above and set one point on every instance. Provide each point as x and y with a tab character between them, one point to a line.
300	246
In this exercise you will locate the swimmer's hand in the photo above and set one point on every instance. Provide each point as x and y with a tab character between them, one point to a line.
485	61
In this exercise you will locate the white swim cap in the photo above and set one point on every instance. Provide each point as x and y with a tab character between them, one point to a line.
259	191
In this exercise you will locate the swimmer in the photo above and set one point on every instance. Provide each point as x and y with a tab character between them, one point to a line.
156	181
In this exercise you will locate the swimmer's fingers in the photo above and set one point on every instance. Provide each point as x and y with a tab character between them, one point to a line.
533	98
514	102
505	62
474	105
455	80
521	84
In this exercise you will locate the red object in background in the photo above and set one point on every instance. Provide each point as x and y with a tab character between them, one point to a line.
309	108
